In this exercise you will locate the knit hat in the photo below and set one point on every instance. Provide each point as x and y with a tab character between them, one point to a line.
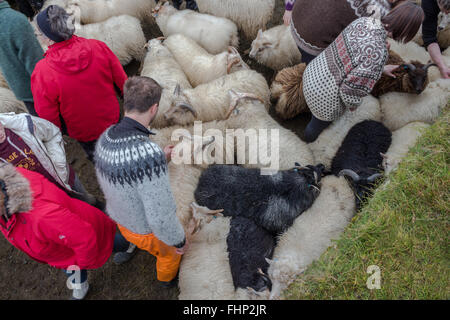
44	25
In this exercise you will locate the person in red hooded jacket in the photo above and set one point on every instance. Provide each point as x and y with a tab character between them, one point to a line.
75	85
41	220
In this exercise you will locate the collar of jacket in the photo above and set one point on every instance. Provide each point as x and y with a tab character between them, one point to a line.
62	44
128	124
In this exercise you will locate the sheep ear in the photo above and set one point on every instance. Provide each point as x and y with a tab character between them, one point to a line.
267	45
260	33
177	90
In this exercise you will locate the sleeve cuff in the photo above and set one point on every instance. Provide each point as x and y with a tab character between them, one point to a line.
289	6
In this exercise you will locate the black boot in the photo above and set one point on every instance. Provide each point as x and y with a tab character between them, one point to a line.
191	4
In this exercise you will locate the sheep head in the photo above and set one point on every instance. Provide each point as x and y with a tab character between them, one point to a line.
234	61
163	7
312	174
180	112
361	182
444	19
259	45
415	78
236	97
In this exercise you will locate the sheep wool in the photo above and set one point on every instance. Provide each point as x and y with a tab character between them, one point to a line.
331	83
132	173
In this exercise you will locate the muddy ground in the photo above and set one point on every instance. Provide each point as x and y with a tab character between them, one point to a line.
23	278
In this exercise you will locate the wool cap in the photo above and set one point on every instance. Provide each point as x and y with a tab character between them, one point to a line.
44	25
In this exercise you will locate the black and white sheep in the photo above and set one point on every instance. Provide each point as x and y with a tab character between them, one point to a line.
360	156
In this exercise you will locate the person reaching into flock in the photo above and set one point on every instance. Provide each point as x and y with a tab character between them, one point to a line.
315	24
20	51
41	220
74	86
133	174
429	32
348	69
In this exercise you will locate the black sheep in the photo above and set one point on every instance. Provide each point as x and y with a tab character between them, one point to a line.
359	157
248	247
271	201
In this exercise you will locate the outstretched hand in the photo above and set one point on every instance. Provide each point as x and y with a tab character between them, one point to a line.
388	69
168	152
287	17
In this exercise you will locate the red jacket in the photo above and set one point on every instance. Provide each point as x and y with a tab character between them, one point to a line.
76	79
58	230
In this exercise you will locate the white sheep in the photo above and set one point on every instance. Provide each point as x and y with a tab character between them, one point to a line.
122	34
160	65
312	232
289	148
199	65
399	109
443	32
101	10
249	15
275	48
9	103
402	140
215	34
211	101
326	145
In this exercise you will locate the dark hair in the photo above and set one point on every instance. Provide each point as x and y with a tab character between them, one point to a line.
60	23
404	21
140	93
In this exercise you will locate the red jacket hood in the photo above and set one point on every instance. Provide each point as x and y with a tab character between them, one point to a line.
70	56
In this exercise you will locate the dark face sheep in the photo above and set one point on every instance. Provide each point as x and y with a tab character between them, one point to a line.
359	157
271	201
248	248
410	77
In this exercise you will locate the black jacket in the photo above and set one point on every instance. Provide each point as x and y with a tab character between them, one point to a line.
430	23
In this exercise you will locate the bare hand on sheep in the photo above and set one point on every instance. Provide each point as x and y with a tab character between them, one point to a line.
287	17
388	69
445	72
168	152
184	248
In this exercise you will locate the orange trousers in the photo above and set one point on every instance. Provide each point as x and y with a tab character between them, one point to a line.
167	260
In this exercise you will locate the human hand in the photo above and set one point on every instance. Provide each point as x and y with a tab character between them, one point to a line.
388	69
287	17
184	248
168	152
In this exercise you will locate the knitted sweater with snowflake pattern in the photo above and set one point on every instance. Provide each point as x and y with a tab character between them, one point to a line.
133	175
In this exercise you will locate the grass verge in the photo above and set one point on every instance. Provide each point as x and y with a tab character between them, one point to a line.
403	230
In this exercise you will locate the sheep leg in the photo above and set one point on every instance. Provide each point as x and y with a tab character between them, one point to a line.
204	213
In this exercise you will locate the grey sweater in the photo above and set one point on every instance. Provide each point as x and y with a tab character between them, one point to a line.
132	172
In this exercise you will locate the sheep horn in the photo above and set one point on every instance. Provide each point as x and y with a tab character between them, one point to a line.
232	63
187	107
350	173
232	50
425	67
384	155
236	97
161	38
410	66
374	177
205	210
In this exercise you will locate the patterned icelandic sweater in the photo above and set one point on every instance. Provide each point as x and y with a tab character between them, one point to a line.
133	175
316	23
347	70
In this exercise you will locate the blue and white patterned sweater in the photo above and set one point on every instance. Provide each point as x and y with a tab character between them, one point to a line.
133	175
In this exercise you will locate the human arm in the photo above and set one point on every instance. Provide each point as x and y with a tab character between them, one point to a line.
44	90
288	11
118	74
436	57
29	51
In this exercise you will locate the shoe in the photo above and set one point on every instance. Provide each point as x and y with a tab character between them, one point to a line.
192	5
170	284
80	291
122	257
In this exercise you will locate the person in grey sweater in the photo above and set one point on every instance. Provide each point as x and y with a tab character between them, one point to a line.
19	53
133	174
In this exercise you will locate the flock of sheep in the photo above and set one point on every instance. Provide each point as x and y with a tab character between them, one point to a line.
253	234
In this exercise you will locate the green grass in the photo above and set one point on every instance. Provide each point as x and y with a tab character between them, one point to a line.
403	229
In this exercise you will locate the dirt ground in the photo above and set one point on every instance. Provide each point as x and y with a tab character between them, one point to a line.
23	278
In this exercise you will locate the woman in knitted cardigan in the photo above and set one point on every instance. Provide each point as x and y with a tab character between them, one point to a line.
348	69
315	24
